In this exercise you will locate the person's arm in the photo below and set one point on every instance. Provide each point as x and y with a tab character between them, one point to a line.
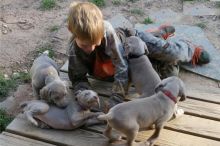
77	70
114	48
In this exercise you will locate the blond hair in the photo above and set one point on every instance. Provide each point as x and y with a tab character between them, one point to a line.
85	21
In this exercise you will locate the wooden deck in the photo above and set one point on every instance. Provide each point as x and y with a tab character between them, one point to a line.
199	126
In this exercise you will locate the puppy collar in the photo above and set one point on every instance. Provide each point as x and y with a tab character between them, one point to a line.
170	95
130	56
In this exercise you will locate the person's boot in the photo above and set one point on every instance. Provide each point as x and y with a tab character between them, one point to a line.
164	31
200	56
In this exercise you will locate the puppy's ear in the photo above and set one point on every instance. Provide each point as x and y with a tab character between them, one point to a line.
77	92
44	93
159	87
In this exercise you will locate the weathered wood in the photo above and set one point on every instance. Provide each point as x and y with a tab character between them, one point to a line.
9	139
168	138
79	137
200	93
212	97
191	106
201	109
194	126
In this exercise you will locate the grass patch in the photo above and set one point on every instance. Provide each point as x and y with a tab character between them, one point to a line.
99	3
47	4
201	25
133	1
148	20
45	48
21	77
5	119
8	84
54	28
117	2
137	11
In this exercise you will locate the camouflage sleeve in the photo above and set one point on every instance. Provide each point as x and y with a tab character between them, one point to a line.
173	50
77	70
114	48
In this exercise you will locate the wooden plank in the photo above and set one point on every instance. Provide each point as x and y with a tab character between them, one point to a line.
204	95
196	126
9	139
169	138
201	93
201	109
78	137
82	137
191	106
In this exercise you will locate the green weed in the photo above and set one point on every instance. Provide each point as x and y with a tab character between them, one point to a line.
148	20
8	84
47	4
45	48
137	11
132	1
5	119
201	25
99	3
117	2
54	28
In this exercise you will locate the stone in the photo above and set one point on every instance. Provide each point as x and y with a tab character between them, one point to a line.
120	21
199	10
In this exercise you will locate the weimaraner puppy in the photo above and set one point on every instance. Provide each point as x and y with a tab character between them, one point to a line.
141	72
129	117
46	82
76	114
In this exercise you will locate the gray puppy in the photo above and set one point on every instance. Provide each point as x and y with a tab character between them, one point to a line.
76	114
46	82
131	116
142	73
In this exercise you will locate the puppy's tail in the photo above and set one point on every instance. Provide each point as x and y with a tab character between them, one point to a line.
105	117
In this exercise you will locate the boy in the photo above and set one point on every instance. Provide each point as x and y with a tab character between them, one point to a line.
96	49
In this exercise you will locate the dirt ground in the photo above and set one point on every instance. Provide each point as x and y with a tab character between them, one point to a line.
25	27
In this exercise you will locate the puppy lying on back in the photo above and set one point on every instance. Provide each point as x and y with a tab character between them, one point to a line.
76	114
157	109
46	82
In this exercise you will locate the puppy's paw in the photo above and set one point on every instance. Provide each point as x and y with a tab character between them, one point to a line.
114	139
148	143
179	112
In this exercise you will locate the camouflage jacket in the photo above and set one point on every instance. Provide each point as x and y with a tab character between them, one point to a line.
81	64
